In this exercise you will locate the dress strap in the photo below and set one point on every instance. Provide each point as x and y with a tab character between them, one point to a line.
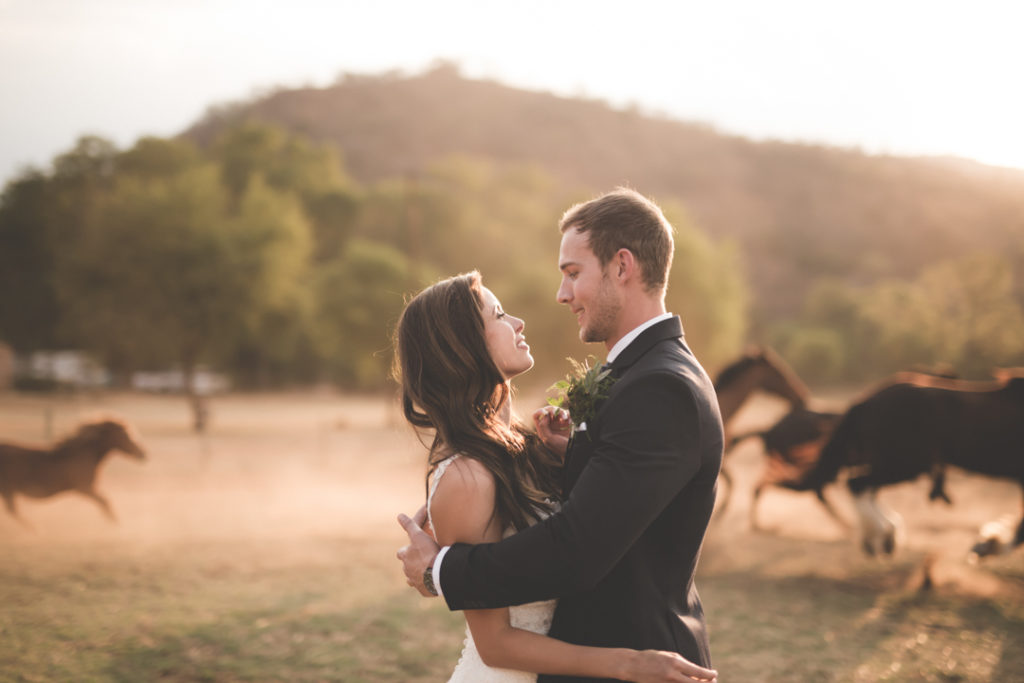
438	473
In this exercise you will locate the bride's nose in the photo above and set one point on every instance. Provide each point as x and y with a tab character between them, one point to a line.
518	324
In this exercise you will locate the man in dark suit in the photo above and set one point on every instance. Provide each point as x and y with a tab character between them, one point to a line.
640	474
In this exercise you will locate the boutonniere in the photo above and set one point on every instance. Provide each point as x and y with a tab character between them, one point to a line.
581	390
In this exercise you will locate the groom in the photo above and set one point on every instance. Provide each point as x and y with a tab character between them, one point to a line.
639	481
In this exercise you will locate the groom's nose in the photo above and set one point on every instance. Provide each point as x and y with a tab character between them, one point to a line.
564	293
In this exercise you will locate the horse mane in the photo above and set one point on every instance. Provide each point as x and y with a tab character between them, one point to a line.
82	435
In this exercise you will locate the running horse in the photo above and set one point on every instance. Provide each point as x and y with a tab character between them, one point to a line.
792	446
920	424
70	465
759	369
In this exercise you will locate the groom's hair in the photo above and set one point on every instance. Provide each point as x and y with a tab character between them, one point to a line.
625	219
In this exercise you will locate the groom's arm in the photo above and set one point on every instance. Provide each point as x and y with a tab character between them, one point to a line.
650	449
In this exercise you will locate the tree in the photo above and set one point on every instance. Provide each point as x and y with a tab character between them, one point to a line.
360	298
706	288
40	216
166	272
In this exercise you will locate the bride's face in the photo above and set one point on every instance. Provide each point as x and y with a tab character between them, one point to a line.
505	339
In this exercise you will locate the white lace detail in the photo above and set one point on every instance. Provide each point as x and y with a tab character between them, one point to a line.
534	616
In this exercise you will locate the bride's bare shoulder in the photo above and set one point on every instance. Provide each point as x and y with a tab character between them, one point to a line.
462	507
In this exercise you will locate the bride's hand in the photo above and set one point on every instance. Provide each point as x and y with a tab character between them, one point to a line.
655	666
553	427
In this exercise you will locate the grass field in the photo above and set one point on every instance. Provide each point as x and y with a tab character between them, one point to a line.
265	552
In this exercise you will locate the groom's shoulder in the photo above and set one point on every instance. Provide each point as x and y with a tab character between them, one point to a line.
669	360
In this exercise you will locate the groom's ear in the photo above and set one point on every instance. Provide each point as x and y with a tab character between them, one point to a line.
625	265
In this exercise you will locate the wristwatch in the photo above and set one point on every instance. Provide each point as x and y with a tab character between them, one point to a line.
428	579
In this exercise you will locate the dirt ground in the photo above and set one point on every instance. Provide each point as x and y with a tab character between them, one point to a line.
285	482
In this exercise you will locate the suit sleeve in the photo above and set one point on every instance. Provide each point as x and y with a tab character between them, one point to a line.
649	450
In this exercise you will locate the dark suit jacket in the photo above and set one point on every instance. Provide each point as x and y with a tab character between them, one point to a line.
622	552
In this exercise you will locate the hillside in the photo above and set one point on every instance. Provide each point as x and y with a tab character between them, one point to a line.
797	211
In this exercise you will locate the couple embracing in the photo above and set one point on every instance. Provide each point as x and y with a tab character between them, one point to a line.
571	550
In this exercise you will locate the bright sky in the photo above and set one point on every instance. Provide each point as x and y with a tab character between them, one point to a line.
894	76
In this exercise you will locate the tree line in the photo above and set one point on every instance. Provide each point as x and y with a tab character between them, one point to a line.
260	255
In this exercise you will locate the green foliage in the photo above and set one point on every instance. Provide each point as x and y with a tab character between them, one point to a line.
286	162
29	311
360	298
259	255
708	291
582	389
961	313
813	352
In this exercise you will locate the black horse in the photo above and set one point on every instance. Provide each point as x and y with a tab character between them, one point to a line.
921	424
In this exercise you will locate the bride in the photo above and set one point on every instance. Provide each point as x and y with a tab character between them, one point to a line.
456	352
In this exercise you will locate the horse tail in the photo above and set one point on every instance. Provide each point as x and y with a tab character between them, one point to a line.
834	454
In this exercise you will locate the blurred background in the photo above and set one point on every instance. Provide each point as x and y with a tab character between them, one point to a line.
230	201
254	190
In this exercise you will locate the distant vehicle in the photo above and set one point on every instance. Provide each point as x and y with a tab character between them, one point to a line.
69	369
204	382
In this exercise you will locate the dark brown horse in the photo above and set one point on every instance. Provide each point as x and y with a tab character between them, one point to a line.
792	446
759	369
920	424
71	465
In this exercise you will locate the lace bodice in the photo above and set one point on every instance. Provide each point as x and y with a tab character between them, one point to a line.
534	616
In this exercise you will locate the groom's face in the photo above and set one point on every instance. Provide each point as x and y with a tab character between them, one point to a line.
586	288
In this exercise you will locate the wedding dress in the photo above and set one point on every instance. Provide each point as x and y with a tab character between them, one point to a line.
534	616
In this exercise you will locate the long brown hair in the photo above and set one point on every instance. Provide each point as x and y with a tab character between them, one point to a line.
451	385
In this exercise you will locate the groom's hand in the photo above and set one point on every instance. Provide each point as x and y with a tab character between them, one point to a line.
420	553
553	427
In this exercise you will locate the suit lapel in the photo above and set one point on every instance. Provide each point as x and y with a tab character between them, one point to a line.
582	445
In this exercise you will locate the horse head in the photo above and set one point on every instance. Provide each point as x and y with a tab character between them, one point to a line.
111	435
758	369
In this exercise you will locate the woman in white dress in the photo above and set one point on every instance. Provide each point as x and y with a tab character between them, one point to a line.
488	476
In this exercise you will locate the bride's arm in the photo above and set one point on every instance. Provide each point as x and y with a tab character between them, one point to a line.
462	511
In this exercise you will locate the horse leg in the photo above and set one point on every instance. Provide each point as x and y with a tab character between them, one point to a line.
895	528
938	491
726	478
879	532
12	509
831	510
103	503
754	525
1018	539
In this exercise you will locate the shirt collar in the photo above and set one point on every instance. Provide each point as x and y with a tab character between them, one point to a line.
628	338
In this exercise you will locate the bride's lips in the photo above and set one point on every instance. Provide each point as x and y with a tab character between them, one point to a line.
522	344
